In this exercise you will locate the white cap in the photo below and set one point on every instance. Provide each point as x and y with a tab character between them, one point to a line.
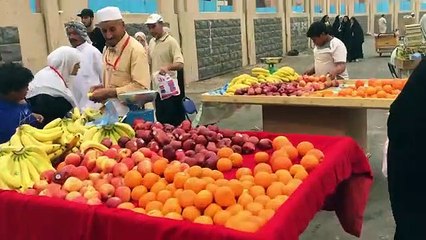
108	14
154	18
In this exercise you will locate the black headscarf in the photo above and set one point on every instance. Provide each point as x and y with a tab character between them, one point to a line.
357	39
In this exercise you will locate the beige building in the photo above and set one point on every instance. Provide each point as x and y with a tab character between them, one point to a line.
213	43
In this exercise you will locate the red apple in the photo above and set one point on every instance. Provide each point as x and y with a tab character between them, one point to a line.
111	153
132	145
129	162
138	156
106	142
94	201
144	167
113	202
40	185
94	176
117	182
123	192
30	191
47	175
180	154
90	164
116	146
124	153
146	152
120	170
80	172
73	159
106	190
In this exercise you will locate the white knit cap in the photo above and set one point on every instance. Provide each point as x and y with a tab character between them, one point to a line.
108	14
154	18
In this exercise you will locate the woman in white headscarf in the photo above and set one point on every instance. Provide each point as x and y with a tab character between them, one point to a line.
49	93
141	37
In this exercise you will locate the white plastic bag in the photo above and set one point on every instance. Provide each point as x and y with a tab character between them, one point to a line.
385	159
166	86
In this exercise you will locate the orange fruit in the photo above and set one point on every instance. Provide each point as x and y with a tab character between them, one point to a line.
273	204
370	91
359	83
203	220
236	186
284	176
224	152
211	187
266	214
317	153
194	184
279	142
186	198
281	198
279	153
190	213
171	187
281	163
295	169
126	205
309	162
274	177
154	205
262	199
224	164
261	157
263	179
249	178
177	193
171	205
215	174
304	147
381	94
388	88
170	172
290	188
302	175
146	198
254	207
256	190
139	210
133	178
242	172
158	186
150	179
221	217
275	189
245	198
234	209
208	180
236	159
138	192
212	209
224	196
155	213
206	172
180	179
203	199
292	152
262	167
163	195
222	182
160	166
247	184
173	215
195	171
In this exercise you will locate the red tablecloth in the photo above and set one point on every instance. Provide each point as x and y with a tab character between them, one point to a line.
341	183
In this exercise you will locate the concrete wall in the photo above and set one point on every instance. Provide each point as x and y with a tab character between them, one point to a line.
268	37
363	21
299	27
10	48
218	44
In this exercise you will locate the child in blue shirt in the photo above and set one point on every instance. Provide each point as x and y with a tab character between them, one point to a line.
14	110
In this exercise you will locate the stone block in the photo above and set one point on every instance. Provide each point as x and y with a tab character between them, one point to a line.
11	52
299	27
363	21
268	37
9	35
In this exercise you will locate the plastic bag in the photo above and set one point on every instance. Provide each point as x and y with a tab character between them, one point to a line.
113	110
167	86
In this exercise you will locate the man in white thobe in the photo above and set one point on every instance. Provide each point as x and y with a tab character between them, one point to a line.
382	24
423	26
90	73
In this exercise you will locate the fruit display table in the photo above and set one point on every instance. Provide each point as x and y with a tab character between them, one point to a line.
309	115
341	183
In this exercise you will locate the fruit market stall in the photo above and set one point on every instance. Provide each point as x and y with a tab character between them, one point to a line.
310	105
162	182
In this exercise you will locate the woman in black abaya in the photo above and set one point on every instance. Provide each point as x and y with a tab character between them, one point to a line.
406	158
357	40
346	34
336	27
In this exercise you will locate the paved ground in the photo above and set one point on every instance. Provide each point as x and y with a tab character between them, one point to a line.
378	220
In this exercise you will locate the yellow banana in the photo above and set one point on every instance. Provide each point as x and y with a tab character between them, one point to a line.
40	165
44	137
55	123
10	172
34	174
56	154
26	181
126	128
92	144
15	140
76	114
88	135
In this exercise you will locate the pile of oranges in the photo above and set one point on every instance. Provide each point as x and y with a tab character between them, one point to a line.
202	195
371	89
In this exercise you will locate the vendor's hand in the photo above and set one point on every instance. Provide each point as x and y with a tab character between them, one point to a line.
331	75
38	117
164	70
102	94
95	87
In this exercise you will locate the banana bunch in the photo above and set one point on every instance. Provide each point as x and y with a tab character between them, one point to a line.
239	82
20	168
286	74
113	132
90	114
260	72
49	140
